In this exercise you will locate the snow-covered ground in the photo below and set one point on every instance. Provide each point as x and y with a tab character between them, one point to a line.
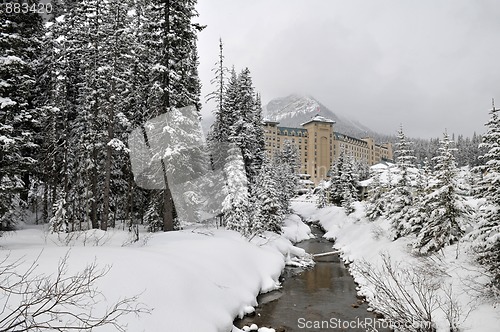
360	240
197	279
201	278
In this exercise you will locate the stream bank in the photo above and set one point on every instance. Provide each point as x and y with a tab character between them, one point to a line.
321	298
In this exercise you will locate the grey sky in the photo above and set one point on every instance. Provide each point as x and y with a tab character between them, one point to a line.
429	64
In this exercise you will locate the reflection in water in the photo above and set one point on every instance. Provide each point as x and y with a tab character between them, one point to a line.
324	294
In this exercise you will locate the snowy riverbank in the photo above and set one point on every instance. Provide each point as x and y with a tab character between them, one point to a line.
362	241
193	280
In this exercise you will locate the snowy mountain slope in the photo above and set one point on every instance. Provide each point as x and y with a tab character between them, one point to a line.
295	109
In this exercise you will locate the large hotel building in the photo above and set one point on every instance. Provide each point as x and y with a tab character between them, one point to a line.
319	145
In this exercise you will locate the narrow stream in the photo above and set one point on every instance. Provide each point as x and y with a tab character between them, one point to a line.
322	298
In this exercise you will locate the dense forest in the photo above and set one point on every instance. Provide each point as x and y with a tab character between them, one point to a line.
77	83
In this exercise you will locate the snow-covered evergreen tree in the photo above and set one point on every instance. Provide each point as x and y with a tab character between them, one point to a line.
348	184
486	234
19	60
448	212
151	216
220	127
400	198
419	212
375	207
286	166
174	81
219	133
246	131
59	222
236	204
266	205
322	200
335	190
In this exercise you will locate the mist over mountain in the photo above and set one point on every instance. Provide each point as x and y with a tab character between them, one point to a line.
295	109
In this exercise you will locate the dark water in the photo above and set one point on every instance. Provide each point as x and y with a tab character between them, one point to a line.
322	298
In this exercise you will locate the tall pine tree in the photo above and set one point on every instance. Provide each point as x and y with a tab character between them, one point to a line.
449	214
20	45
486	234
400	198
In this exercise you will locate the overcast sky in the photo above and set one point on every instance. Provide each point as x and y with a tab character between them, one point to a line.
429	64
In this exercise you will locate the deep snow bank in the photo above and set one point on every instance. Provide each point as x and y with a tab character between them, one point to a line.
194	280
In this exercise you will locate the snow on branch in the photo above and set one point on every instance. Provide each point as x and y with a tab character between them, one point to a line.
38	302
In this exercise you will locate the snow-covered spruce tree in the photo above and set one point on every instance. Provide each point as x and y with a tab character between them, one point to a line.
247	130
20	51
235	206
400	198
335	189
229	104
151	216
171	37
116	89
266	204
322	200
286	165
219	131
449	213
59	222
220	126
348	185
375	207
362	169
419	212
258	141
486	235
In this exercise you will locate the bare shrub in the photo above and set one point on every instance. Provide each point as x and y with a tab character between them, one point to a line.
38	302
453	311
408	296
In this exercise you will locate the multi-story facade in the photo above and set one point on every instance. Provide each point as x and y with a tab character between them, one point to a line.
319	145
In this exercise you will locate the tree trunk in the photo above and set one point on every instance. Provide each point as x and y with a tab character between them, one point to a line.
107	181
93	204
45	207
168	204
26	187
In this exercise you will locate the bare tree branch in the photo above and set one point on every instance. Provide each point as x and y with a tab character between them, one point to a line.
62	302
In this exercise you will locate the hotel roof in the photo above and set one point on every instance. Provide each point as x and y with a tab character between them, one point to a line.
318	118
269	121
